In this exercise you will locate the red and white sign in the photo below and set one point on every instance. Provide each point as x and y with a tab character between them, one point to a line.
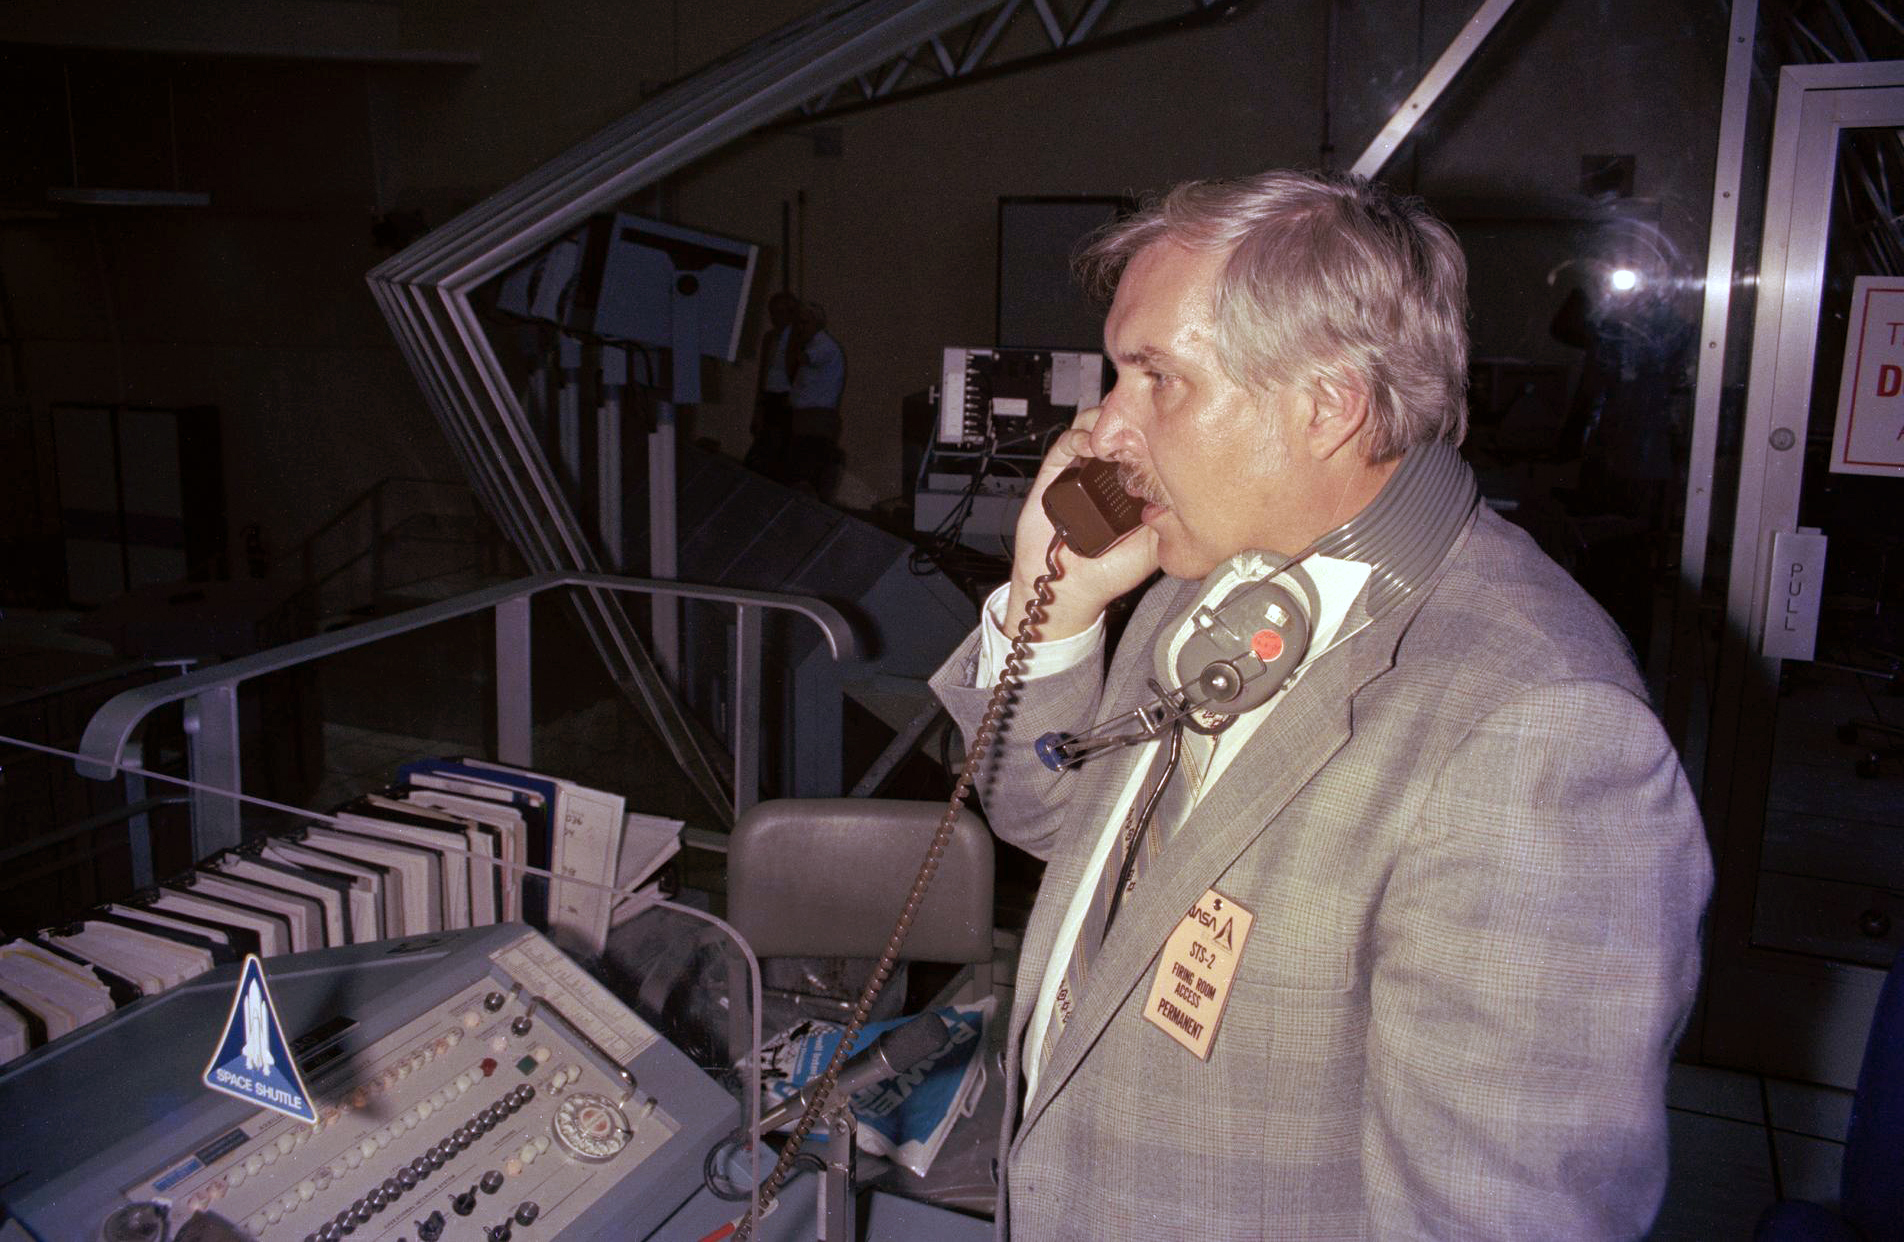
1869	438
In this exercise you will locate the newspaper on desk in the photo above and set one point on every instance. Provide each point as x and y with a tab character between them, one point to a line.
905	1119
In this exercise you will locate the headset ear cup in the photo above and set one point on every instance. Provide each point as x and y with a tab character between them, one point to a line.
1239	654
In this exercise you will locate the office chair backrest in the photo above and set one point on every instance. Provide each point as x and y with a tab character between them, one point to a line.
826	877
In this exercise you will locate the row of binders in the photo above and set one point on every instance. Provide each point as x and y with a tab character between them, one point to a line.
438	851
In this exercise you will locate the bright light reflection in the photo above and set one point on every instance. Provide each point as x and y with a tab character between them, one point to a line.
1623	279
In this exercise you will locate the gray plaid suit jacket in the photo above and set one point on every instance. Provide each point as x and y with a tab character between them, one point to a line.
1477	876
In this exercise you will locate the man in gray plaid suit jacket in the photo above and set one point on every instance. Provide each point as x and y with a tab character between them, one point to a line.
1464	869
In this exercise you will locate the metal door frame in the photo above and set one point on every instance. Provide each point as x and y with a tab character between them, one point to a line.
1780	1012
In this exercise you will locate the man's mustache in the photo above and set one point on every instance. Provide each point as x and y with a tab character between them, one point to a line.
1140	483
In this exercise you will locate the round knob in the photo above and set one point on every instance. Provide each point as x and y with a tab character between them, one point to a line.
430	1228
464	1203
138	1222
1221	681
491	1182
498	1233
1875	924
494	1001
521	1026
526	1212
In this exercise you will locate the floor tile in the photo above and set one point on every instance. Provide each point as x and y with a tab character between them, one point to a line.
1803	1108
1715	1092
1808	1168
1721	1179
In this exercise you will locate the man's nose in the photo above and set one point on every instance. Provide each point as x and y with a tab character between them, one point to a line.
1113	435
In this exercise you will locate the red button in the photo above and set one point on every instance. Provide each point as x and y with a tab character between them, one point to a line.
489	1066
1267	644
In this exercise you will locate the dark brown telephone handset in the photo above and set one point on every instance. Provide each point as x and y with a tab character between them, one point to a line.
1090	508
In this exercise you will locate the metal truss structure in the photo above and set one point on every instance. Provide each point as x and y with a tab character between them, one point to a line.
1015	35
426	293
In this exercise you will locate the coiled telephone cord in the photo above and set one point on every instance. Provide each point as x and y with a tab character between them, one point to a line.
1010	679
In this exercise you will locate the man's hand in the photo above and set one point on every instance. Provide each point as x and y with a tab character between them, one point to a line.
1087	586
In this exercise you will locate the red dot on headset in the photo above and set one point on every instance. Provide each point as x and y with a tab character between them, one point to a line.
1267	644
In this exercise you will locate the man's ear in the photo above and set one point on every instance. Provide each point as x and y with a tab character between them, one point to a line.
1338	413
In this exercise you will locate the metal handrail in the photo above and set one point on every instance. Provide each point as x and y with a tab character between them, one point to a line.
212	693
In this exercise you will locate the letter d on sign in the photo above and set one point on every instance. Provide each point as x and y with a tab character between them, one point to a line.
1890	380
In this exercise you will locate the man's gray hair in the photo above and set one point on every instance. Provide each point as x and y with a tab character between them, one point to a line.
1333	282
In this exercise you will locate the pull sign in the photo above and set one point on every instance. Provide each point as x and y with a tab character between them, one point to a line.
253	1060
1791	598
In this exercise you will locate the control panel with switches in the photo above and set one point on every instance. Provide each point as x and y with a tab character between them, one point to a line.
476	1086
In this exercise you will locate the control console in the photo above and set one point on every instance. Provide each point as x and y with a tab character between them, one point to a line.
475	1086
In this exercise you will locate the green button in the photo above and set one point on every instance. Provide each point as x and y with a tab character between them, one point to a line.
526	1065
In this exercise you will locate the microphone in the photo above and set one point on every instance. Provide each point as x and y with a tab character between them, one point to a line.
889	1056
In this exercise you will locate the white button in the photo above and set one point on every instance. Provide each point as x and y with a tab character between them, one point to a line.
237	1176
424	1108
541	1054
470	1019
573	1071
528	1153
290	1202
269	1153
355	1156
306	1188
512	1166
368	1147
286	1142
338	1167
253	1162
216	1190
409	1119
498	1044
542	1142
381	1138
257	1222
274	1213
